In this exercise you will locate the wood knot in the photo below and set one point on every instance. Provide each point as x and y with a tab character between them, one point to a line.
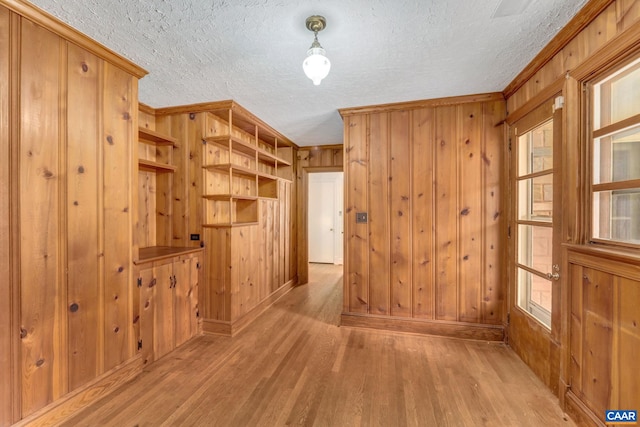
400	213
75	203
120	269
47	174
73	307
39	363
192	116
465	211
126	116
116	330
23	333
135	319
80	169
466	257
85	67
110	139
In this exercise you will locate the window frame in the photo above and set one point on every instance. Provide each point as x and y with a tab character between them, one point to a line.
591	136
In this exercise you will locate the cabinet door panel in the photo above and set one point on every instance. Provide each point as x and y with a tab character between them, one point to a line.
183	294
163	341
147	313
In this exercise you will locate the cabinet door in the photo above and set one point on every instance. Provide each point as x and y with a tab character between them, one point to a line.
147	313
183	300
164	319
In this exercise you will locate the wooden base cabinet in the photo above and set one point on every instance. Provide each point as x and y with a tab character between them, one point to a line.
168	304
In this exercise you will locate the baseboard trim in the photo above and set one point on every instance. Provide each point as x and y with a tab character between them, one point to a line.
232	328
65	407
472	331
579	412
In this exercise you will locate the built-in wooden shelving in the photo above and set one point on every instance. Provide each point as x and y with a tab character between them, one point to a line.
243	164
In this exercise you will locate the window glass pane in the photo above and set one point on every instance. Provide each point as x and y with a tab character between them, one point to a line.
535	246
535	150
618	96
615	215
536	198
617	157
534	296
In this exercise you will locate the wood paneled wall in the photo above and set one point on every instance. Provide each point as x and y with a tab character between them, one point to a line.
429	180
617	17
67	129
605	332
594	296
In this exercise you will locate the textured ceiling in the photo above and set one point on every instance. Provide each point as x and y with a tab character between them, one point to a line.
381	51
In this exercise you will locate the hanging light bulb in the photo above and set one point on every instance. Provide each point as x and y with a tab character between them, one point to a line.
316	65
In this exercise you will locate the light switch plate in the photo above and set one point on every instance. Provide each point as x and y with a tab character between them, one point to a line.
361	217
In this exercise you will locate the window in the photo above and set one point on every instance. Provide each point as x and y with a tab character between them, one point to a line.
615	154
534	252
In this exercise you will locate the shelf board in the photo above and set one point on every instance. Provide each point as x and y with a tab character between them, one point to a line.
237	145
235	169
265	175
156	138
228	225
227	197
155	253
244	147
151	166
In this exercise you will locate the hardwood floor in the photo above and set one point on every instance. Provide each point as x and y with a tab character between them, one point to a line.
295	366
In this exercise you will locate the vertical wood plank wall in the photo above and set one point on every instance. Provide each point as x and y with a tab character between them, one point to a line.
596	293
429	179
67	120
7	344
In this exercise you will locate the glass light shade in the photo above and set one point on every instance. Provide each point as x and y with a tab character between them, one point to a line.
316	66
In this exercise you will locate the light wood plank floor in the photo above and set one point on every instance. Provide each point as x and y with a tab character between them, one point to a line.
296	366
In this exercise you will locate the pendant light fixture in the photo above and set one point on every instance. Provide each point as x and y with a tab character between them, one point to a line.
316	65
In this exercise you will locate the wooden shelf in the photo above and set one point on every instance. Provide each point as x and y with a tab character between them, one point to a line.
239	170
149	136
151	166
227	225
244	147
265	175
237	145
156	253
228	197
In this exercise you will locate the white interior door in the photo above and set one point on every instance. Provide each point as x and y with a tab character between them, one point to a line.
325	218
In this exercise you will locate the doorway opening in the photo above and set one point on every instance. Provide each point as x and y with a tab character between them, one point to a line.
325	219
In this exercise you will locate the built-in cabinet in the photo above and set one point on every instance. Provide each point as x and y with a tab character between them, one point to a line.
168	296
242	164
167	275
247	181
236	202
